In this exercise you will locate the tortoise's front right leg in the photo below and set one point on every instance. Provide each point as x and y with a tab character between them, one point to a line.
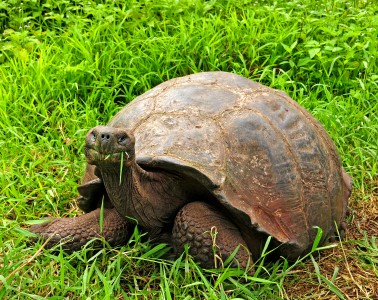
210	235
75	232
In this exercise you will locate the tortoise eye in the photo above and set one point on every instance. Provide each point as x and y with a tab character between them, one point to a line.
122	139
93	135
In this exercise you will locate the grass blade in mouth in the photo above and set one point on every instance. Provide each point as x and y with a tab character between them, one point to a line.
121	168
102	215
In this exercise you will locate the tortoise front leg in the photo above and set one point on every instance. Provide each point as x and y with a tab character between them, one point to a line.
210	235
75	232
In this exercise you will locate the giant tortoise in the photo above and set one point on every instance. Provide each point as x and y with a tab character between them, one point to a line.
215	161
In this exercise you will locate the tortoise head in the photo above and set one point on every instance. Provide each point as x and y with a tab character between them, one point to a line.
108	146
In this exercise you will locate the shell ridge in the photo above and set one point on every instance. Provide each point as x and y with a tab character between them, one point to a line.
278	131
327	143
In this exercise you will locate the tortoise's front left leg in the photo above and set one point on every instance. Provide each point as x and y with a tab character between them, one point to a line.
75	232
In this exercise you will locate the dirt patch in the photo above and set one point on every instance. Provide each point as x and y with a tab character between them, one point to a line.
349	270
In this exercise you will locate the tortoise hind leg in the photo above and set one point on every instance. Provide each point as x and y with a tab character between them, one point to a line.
340	233
74	233
210	235
348	185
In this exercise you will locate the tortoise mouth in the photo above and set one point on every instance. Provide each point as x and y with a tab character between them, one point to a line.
100	158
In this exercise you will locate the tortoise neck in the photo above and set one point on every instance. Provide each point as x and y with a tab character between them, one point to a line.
149	198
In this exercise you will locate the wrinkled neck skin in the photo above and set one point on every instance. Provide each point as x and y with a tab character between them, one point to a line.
151	199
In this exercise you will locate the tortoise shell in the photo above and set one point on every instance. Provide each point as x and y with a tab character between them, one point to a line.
262	156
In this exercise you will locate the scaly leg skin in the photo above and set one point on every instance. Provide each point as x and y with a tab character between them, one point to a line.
210	235
74	233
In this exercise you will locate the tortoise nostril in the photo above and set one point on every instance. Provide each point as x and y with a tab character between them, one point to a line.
105	136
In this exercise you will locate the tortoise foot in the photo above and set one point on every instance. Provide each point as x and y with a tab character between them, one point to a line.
74	233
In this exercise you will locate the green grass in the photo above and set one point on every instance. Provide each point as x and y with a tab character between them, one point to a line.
67	65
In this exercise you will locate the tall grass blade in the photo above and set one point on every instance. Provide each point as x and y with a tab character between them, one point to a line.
102	215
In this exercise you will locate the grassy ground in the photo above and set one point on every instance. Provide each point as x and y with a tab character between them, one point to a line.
68	65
